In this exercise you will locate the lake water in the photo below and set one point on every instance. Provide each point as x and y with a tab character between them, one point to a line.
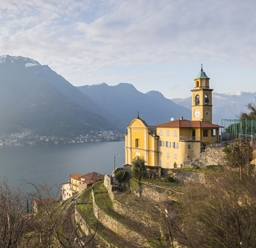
53	164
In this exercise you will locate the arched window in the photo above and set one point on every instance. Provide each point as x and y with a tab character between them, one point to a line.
197	99
206	99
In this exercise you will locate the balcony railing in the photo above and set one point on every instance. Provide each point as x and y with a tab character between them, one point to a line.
188	138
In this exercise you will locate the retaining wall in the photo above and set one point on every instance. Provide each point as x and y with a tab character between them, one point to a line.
118	227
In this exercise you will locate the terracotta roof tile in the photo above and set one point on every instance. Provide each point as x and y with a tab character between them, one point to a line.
76	176
92	176
188	124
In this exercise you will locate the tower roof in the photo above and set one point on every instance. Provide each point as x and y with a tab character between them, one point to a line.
202	74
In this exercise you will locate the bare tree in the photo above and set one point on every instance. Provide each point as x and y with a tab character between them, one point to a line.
50	224
12	216
53	223
219	214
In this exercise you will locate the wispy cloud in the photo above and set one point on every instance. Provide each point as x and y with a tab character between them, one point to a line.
80	39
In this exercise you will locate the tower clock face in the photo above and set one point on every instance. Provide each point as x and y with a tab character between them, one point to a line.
197	113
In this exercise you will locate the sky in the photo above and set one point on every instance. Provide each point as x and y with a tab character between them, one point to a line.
151	44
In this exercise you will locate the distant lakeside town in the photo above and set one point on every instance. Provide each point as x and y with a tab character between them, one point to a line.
27	138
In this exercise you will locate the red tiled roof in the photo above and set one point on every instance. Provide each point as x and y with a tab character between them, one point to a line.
93	176
188	124
76	176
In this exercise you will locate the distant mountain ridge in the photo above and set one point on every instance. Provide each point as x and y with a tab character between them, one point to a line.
225	106
35	98
124	102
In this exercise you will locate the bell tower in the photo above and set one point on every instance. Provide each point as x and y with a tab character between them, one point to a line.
202	98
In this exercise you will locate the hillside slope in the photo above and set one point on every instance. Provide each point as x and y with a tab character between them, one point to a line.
123	102
35	98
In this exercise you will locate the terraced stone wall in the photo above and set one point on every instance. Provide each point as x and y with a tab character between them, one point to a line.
157	193
116	226
108	186
82	223
138	215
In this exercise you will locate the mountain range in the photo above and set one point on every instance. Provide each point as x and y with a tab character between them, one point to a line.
123	102
35	98
225	106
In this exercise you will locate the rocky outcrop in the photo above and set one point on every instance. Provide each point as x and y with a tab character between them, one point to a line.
212	156
184	176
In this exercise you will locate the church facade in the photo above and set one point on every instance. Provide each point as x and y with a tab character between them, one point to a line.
175	143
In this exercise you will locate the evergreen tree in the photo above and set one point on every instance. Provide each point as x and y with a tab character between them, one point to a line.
251	115
139	170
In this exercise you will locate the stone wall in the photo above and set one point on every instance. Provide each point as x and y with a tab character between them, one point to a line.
157	193
108	186
82	223
117	227
137	215
88	231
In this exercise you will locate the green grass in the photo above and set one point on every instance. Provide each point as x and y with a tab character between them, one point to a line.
102	198
86	211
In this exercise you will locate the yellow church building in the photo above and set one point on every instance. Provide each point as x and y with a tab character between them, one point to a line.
175	143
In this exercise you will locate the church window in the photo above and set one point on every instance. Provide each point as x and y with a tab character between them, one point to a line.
197	99
206	99
137	142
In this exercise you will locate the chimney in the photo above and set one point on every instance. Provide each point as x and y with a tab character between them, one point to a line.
181	118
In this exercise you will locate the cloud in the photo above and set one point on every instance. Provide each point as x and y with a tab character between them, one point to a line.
80	39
